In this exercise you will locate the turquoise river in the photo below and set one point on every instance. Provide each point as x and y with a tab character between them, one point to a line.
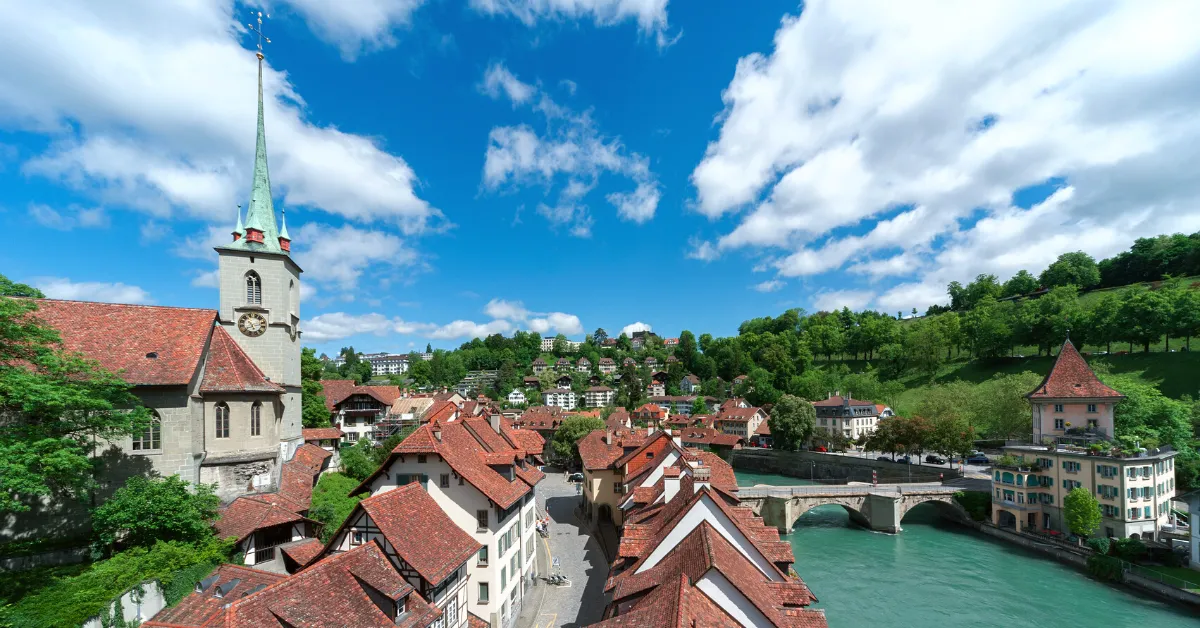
937	573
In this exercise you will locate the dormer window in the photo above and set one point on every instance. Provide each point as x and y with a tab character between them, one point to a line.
253	289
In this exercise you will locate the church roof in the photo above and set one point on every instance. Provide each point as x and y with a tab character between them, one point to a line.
229	369
145	344
1072	378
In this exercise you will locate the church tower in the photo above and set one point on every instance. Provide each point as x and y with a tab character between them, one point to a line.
260	288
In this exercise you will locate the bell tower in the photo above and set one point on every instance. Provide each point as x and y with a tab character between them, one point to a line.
260	285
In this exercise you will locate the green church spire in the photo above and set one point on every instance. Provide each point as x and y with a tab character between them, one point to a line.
260	216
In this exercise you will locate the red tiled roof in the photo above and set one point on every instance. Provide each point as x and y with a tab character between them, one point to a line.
247	514
764	428
440	411
199	608
229	369
721	474
647	454
838	401
1072	378
475	621
119	337
386	395
421	533
596	454
321	433
304	551
738	415
879	408
335	390
311	457
335	591
528	440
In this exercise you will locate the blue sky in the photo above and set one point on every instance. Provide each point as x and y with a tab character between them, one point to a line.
458	167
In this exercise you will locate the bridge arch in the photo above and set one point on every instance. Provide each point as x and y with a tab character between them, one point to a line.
944	504
853	506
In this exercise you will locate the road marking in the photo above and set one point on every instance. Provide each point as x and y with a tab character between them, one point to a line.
549	622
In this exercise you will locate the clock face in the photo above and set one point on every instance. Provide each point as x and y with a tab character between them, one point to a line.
252	324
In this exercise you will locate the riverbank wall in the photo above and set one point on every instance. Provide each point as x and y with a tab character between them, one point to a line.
1078	558
832	468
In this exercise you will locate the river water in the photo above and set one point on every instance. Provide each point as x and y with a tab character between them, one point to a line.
937	573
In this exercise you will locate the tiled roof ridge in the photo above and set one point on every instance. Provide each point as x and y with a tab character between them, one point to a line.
228	368
1070	368
123	305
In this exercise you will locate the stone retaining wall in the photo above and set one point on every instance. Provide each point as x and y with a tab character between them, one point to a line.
804	465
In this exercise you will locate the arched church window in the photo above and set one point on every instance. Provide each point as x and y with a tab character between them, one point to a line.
151	437
256	419
253	288
222	411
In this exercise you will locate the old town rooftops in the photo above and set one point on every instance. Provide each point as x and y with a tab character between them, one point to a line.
1072	378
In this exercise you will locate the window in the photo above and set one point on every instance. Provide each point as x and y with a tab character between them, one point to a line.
222	420
1058	407
421	458
151	439
445	481
356	537
1058	423
1146	512
1091	407
256	419
481	518
483	593
503	579
483	556
253	288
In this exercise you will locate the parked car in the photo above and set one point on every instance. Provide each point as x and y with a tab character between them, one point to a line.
575	477
821	449
935	459
904	459
884	459
978	459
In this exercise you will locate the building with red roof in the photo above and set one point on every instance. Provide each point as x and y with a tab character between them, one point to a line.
206	605
850	417
649	413
1071	397
482	479
423	543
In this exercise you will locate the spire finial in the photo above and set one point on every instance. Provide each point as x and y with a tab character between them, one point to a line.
238	231
258	31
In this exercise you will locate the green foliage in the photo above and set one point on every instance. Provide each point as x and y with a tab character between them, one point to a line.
1081	510
358	461
1099	544
1021	283
312	399
566	437
1104	568
978	504
146	510
792	422
8	288
331	503
71	600
1147	414
1131	550
1072	269
62	405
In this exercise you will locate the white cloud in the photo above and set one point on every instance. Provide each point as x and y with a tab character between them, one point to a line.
837	299
62	288
702	250
769	286
77	217
632	327
905	123
499	79
571	157
151	106
209	279
541	322
354	27
469	329
651	15
338	256
338	325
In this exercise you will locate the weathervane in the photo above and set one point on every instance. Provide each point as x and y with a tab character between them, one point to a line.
258	31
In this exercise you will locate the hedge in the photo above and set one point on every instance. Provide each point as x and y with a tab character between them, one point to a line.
71	600
978	504
331	503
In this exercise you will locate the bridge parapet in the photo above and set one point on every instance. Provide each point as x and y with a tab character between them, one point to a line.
879	507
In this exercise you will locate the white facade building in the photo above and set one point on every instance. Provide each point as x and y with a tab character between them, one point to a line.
560	398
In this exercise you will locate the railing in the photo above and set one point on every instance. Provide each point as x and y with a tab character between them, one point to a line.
816	490
264	555
1150	574
1061	542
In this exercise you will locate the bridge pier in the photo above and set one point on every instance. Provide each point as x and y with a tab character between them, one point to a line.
882	513
879	508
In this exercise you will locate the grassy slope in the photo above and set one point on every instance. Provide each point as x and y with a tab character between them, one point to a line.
1175	374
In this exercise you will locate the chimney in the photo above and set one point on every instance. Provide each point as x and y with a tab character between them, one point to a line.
494	419
676	438
437	432
670	483
700	478
607	437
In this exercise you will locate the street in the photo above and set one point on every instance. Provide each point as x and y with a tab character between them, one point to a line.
568	550
971	470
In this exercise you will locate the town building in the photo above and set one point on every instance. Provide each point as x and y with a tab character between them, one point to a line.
651	362
485	485
671	359
583	365
599	397
548	344
562	365
539	366
738	420
560	398
357	410
849	417
1192	499
421	541
681	404
564	381
1072	401
690	384
327	438
607	366
670	343
628	362
655	389
531	383
516	398
650	414
387	363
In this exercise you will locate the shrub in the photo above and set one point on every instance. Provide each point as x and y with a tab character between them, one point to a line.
1104	567
1129	549
331	503
977	504
70	601
1099	544
147	510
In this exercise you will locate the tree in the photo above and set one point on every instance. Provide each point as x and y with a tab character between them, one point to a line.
792	422
686	351
358	461
147	510
313	412
631	390
428	348
1072	269
9	288
699	406
1081	509
566	437
600	336
1021	283
1143	317
56	407
923	346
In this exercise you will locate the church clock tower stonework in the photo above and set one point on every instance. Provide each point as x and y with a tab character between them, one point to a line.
260	292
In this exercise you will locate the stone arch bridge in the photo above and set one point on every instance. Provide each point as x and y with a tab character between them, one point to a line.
880	507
